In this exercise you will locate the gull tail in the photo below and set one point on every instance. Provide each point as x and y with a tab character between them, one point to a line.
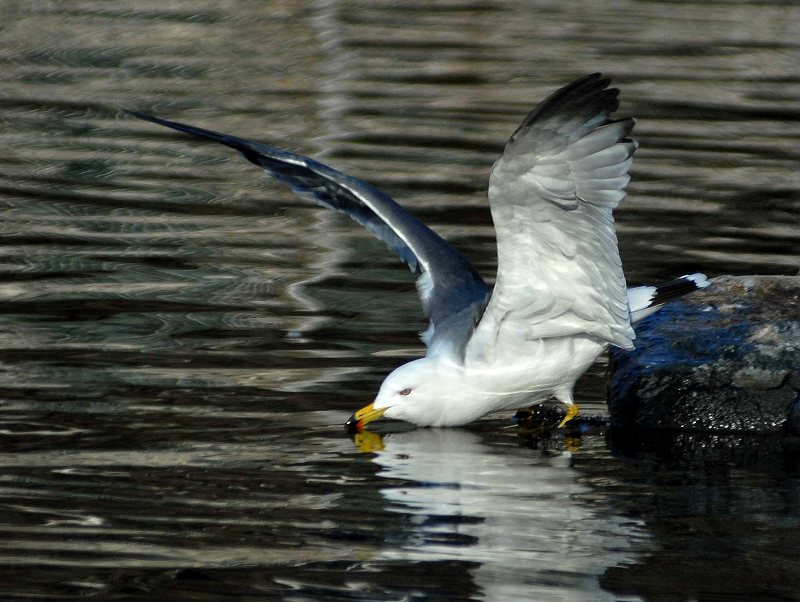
645	300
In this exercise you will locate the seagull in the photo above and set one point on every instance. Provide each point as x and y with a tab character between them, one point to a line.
559	298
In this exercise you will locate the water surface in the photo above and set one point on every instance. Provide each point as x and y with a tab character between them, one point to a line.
181	340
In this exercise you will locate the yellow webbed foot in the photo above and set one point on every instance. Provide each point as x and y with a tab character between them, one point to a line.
572	411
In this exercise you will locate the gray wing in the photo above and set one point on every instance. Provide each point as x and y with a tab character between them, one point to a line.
453	295
552	194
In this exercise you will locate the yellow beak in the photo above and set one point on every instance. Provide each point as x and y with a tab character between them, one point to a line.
364	416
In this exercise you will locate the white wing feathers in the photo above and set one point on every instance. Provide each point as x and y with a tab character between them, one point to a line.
552	194
593	169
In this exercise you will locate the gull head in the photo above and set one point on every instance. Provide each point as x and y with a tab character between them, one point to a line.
421	392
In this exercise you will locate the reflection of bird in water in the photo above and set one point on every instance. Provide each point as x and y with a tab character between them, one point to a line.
526	522
560	297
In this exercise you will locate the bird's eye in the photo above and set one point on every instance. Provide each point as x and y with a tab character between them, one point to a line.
405	392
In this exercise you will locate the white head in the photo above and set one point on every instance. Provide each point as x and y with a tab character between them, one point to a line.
420	392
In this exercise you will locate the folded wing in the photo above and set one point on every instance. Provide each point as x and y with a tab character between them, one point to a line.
451	291
552	194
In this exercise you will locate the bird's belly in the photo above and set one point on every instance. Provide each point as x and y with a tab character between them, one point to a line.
537	371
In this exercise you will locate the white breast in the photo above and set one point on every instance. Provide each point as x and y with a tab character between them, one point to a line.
536	371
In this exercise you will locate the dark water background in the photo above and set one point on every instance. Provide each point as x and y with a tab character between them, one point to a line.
181	341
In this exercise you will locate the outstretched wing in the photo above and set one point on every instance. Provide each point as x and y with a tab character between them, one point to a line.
451	291
552	194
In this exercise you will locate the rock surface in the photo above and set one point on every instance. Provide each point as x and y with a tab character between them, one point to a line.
726	358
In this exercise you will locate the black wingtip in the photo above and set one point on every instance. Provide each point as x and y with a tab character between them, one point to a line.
139	114
246	147
151	118
589	94
667	291
177	125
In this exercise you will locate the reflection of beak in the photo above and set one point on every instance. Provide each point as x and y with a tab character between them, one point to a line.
368	442
364	416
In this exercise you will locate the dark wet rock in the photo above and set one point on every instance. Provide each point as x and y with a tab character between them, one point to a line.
726	358
762	453
539	419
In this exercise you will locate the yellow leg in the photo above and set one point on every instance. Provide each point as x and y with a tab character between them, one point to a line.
572	411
